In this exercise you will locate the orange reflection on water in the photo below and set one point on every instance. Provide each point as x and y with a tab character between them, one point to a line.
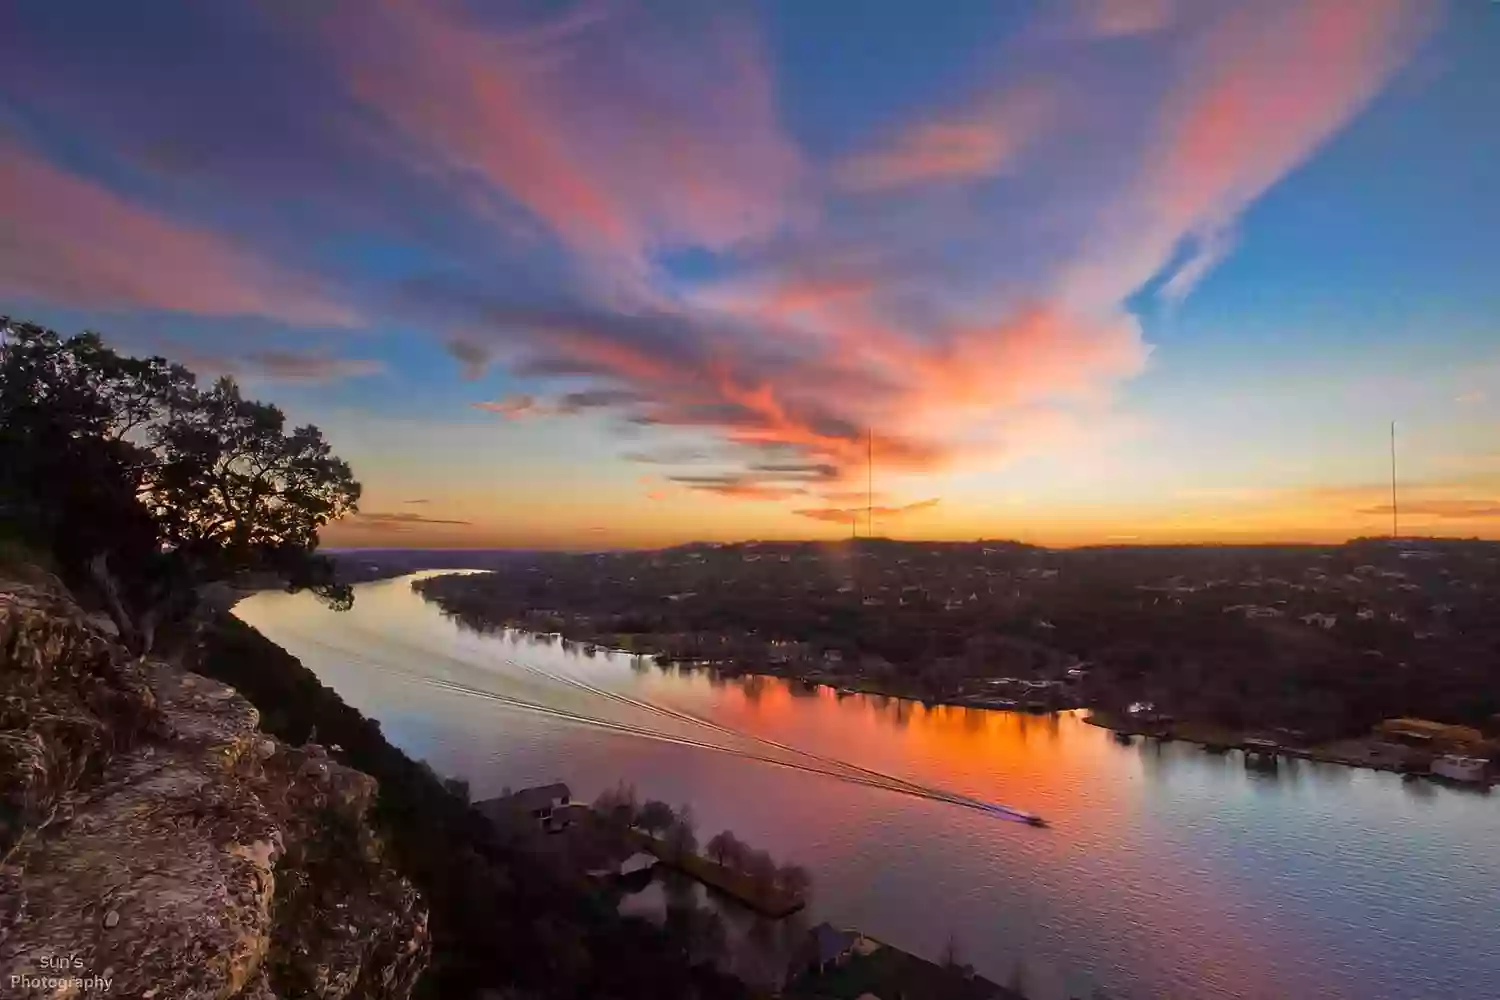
1090	790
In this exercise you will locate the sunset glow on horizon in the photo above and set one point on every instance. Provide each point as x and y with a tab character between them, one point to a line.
609	273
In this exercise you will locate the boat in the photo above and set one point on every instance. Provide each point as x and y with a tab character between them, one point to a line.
1033	820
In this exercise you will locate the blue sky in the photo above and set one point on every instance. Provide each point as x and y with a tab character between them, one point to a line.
629	272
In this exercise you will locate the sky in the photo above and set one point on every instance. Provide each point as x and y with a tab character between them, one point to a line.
631	273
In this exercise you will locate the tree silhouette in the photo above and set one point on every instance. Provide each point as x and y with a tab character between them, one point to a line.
682	838
655	816
724	848
145	488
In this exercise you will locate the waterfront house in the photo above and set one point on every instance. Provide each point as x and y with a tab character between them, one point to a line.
547	806
1455	767
1145	711
825	948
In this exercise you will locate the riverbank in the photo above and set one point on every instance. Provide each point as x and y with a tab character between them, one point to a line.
766	901
635	645
499	921
1338	878
1369	753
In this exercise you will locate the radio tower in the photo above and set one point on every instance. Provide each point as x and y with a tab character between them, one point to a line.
870	484
1395	516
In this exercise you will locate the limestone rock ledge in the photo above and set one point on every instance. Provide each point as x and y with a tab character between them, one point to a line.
152	836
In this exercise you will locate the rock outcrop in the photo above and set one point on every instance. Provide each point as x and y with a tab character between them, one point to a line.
152	836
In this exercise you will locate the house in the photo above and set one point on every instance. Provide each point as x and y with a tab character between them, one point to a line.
825	948
547	806
1146	711
1455	767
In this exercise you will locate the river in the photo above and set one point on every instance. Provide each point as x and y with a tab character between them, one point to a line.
1166	872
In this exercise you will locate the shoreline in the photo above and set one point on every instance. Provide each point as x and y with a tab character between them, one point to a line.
1342	753
1356	753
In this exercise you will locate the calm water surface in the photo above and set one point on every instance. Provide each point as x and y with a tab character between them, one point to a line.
1166	872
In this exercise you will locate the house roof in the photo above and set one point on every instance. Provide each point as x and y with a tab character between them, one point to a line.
539	797
828	942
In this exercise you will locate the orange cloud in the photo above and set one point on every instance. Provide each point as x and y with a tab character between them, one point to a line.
833	335
843	515
749	491
69	240
975	145
1443	508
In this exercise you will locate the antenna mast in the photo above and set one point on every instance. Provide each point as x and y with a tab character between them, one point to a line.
1395	515
870	485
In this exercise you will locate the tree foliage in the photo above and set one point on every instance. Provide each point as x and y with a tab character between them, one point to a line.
621	804
655	816
725	848
144	487
682	836
760	867
793	880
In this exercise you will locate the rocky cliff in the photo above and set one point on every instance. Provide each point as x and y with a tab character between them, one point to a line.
153	837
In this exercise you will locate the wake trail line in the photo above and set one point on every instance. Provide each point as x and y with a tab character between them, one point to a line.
833	768
934	795
866	776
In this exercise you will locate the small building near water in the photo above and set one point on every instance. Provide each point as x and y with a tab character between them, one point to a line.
547	806
825	948
1455	767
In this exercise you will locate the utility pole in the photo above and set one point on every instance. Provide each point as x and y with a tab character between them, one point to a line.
1395	515
870	485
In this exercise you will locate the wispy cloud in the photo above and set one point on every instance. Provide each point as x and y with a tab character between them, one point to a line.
401	521
843	515
511	407
587	129
668	456
739	486
1456	509
1118	18
290	366
961	283
1263	87
71	241
977	143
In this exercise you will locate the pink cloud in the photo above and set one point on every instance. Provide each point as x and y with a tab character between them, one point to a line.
1265	86
618	133
751	491
977	144
69	240
804	352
